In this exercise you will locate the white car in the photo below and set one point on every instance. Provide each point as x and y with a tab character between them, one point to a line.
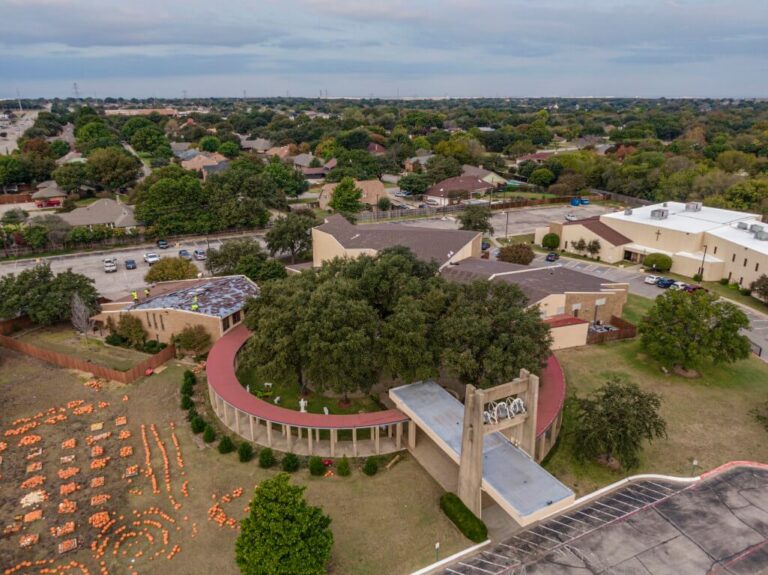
678	285
571	217
110	265
432	202
652	279
151	258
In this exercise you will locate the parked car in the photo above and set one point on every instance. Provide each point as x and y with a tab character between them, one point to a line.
130	264
690	288
485	245
575	202
185	255
402	194
110	264
432	202
162	244
665	282
552	257
571	217
151	258
652	280
584	201
678	285
199	255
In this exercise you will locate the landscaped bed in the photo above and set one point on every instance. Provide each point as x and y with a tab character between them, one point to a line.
708	418
63	339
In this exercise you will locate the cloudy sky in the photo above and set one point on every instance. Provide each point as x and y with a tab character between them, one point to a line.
144	48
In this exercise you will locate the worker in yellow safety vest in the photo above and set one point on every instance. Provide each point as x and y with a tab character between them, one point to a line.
135	295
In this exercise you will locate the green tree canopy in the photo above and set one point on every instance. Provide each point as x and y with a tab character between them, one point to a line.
112	168
174	206
687	328
346	197
71	177
292	234
171	269
226	259
476	218
517	254
551	241
282	534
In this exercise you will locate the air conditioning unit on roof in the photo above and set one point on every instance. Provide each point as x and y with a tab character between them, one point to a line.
693	207
742	225
659	214
755	228
628	212
762	236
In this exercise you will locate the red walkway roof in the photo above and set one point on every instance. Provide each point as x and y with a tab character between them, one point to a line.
220	371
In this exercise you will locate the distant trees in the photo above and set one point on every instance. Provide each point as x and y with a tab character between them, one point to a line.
112	168
685	329
614	420
542	177
414	184
476	218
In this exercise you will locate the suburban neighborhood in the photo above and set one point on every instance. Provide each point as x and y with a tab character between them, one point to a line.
297	335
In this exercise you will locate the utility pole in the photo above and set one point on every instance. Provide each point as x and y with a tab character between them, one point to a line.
76	90
18	99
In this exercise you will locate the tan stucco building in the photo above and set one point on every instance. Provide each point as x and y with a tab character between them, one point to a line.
715	242
214	303
337	238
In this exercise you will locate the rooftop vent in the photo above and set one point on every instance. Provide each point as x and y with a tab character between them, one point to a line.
628	212
693	207
762	236
742	225
755	228
659	214
664	204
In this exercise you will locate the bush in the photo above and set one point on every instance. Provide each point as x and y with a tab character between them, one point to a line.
115	339
187	388
697	277
472	527
521	254
198	424
266	458
189	377
658	262
343	467
371	466
226	445
290	463
186	402
153	346
550	241
209	434
316	466
191	413
723	281
245	452
195	339
745	291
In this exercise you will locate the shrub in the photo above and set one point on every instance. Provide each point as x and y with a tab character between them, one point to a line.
472	527
115	339
266	458
550	241
186	402
194	338
290	463
343	467
189	377
187	388
209	434
316	466
697	277
658	262
371	466
153	346
516	254
745	291
226	445
723	281
245	452
198	424
191	413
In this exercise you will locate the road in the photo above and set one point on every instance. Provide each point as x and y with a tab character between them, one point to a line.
518	221
633	275
145	169
14	129
112	285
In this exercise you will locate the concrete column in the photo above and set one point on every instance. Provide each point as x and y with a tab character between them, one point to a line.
333	442
287	430
377	432
250	424
354	442
309	437
269	433
471	463
389	431
237	420
398	435
411	435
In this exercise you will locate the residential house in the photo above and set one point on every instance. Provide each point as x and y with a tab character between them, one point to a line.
259	145
372	191
71	158
453	190
215	303
281	152
215	169
419	159
376	149
49	190
203	159
105	212
483	174
538	157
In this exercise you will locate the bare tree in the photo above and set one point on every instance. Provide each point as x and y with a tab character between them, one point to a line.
80	315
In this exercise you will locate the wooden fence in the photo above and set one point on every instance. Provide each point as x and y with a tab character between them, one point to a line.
15	198
625	330
69	362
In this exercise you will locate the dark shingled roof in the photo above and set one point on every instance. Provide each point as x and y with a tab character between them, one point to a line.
606	232
535	283
458	184
426	243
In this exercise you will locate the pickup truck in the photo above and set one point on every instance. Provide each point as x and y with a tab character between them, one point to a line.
110	265
151	258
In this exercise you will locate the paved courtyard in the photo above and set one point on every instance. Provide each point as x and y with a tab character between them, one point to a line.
718	525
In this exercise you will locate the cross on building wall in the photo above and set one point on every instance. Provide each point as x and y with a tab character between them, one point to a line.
658	233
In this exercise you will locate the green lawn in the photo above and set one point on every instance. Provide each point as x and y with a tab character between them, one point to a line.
514	240
519	194
289	397
636	308
708	418
64	339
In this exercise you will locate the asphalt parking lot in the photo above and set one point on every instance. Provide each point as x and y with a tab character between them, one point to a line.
518	221
115	284
652	527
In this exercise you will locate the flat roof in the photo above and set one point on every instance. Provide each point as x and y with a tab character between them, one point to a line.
508	472
743	237
679	219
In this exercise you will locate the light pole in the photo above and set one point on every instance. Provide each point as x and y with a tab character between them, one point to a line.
437	552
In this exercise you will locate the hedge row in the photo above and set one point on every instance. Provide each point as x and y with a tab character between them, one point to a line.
467	522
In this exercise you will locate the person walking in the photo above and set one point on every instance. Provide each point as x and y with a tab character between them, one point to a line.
135	296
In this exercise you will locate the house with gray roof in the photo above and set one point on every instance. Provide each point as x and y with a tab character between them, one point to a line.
104	212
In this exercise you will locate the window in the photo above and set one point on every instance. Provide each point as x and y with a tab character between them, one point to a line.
757	266
741	279
745	262
225	324
235	317
154	320
162	325
729	275
733	258
715	250
600	301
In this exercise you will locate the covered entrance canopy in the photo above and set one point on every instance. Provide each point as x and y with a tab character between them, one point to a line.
524	489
